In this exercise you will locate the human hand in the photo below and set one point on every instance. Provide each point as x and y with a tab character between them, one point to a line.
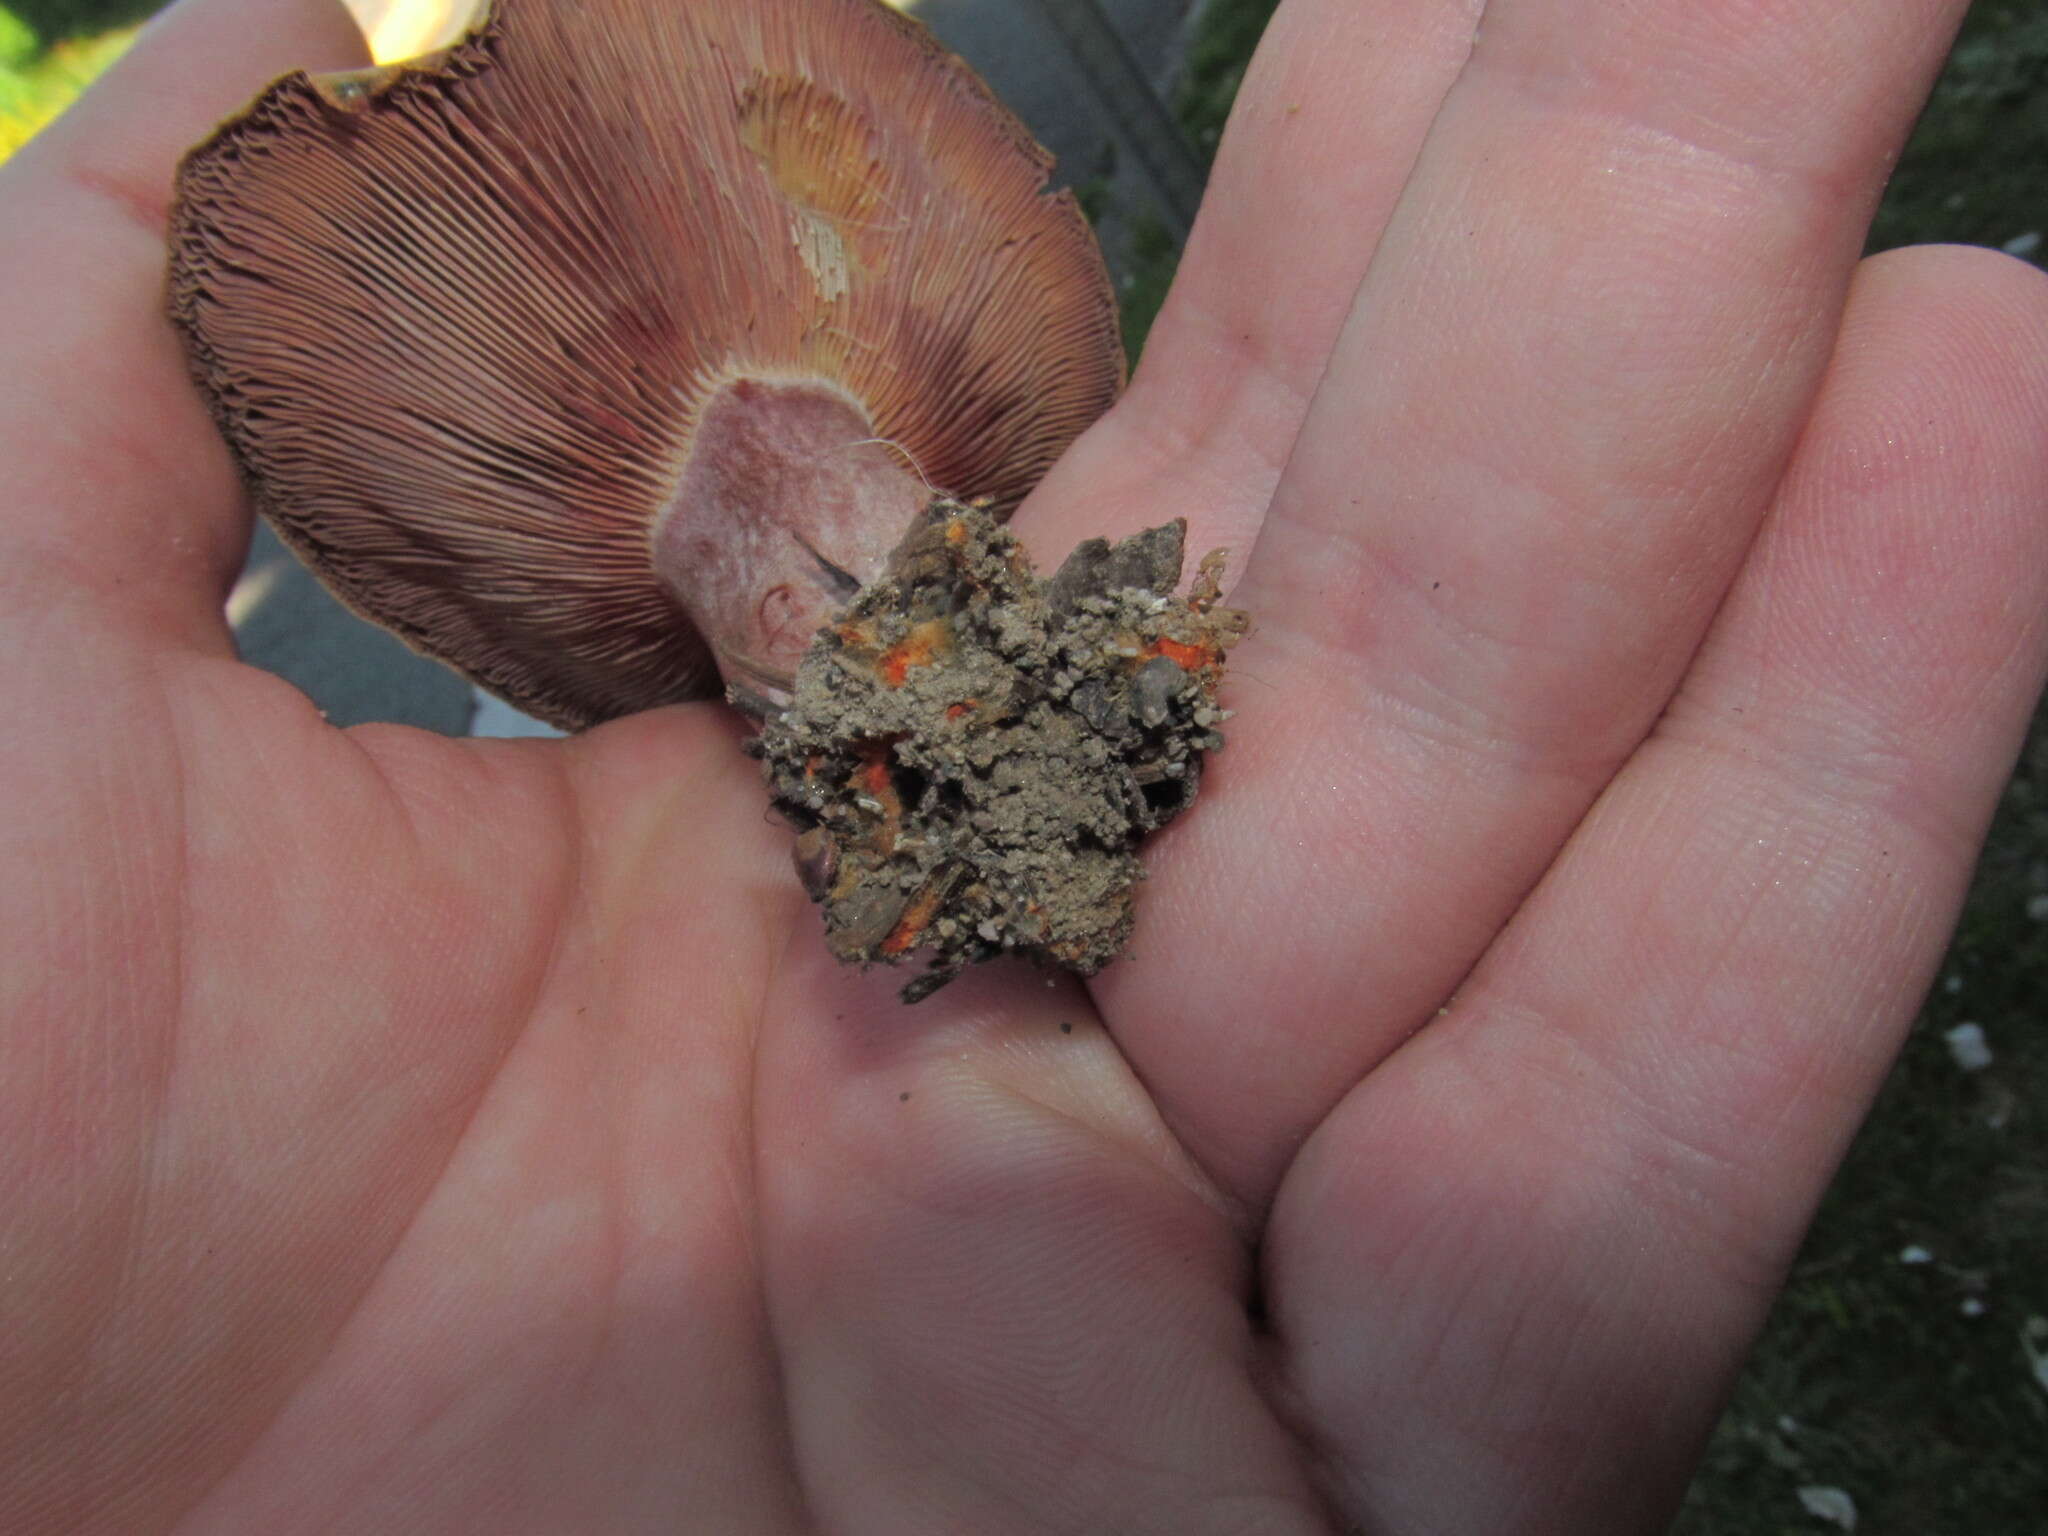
410	1134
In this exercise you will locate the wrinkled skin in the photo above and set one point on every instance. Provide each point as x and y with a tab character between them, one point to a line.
426	1135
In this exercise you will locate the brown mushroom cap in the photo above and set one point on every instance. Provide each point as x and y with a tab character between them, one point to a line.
624	314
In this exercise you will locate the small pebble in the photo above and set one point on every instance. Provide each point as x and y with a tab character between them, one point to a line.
1967	1048
2023	246
1913	1253
1830	1504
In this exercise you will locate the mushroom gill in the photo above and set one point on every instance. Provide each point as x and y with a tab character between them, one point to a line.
614	346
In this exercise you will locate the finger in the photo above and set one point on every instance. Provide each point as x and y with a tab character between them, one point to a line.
1321	138
1000	1297
1543	444
1581	1185
121	495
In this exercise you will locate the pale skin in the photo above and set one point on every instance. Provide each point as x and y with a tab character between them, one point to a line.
411	1134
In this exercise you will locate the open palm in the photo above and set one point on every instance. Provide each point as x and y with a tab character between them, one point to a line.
403	1134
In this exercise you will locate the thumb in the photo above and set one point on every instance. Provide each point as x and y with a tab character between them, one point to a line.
117	482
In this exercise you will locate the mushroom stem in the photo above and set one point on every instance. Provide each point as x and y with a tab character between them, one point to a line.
786	505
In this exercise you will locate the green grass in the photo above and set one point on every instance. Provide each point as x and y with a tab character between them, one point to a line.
1219	48
55	21
51	51
1977	168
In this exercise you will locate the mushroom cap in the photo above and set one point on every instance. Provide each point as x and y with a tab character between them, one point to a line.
459	319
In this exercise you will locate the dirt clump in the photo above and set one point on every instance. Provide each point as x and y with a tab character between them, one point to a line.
971	755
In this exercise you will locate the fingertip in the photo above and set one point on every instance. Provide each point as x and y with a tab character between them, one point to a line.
1973	317
1899	593
1933	422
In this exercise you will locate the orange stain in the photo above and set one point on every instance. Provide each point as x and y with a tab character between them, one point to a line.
916	917
1189	658
923	645
873	776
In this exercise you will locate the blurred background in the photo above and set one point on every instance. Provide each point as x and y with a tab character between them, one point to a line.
1902	1385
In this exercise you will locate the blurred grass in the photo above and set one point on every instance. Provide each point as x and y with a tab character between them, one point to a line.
1977	167
1219	48
1908	1385
53	21
49	52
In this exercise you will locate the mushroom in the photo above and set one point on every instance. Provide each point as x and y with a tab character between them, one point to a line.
626	346
613	348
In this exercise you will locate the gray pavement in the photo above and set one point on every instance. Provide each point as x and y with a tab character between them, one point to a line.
287	623
1091	79
1087	76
